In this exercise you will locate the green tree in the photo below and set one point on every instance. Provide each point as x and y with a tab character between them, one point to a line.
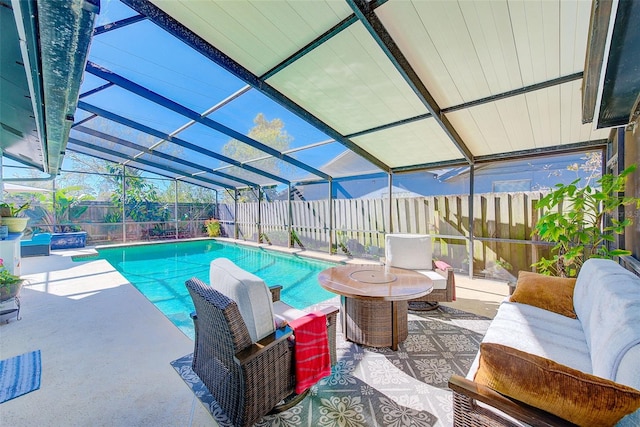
271	133
141	198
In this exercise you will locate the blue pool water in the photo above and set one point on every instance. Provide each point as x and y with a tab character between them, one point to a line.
159	272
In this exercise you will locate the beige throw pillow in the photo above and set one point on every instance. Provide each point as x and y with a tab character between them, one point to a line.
546	292
575	396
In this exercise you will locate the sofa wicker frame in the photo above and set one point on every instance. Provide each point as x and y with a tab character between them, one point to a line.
246	379
468	413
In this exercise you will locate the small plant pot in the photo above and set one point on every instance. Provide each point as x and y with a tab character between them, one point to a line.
16	225
11	292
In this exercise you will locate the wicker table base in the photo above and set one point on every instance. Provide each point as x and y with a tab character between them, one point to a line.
374	301
367	322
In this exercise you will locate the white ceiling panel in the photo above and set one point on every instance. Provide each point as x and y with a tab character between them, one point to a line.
407	29
258	35
349	84
539	119
575	16
443	26
466	50
420	142
482	128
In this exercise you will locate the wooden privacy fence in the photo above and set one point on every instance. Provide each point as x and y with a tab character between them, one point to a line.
502	226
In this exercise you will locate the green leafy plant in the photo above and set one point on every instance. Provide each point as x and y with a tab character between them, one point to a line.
67	209
295	239
574	220
504	264
6	278
212	226
13	210
264	238
141	200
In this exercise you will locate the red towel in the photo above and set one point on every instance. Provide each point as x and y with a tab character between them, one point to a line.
311	349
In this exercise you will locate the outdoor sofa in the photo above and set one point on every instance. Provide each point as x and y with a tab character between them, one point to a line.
559	351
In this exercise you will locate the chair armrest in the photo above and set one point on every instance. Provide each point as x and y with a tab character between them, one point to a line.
264	345
332	321
275	292
330	311
514	408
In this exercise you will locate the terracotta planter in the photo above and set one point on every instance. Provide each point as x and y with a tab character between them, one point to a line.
11	292
16	225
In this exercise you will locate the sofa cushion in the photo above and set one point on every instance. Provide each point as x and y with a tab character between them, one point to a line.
546	292
573	395
410	251
607	302
539	332
249	292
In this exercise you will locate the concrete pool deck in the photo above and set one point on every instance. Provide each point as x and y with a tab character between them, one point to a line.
106	349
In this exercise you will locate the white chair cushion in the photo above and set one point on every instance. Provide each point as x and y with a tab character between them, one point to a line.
249	292
282	312
410	251
439	282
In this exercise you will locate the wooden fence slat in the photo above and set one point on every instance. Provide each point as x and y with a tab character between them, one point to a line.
496	215
517	229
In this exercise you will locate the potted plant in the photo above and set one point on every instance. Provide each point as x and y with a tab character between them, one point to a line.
574	220
60	217
10	212
10	284
213	227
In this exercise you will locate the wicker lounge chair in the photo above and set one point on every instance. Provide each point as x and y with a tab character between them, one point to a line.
247	378
413	252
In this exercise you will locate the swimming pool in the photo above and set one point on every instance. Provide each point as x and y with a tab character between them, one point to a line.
159	271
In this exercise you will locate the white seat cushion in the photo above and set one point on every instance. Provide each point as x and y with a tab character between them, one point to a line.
249	292
410	251
283	312
439	282
540	332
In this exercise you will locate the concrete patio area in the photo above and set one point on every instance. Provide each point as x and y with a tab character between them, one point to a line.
106	349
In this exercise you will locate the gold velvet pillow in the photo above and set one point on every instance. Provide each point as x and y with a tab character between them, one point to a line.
573	395
548	292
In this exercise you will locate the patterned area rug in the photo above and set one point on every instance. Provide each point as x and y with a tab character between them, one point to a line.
378	386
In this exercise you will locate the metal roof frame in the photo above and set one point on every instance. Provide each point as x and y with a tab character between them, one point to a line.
528	107
142	149
178	141
119	154
174	27
365	13
133	87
